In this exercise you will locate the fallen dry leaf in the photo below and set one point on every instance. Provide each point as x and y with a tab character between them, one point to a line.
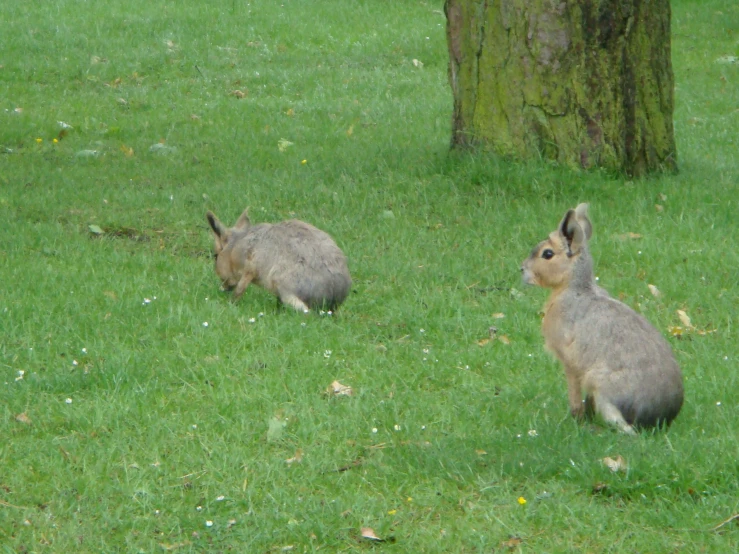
512	542
350	130
655	291
482	342
290	112
629	235
369	533
354	463
684	318
659	208
499	315
615	464
283	144
337	389
297	458
676	331
599	487
23	418
417	63
127	150
504	339
238	93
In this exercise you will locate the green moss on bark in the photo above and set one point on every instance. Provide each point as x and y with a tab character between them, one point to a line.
586	82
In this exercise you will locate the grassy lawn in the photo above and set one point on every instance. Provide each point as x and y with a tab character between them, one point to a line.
129	425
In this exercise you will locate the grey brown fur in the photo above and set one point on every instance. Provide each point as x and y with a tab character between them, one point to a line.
623	364
294	260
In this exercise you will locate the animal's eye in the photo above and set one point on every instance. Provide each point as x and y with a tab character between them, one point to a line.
548	254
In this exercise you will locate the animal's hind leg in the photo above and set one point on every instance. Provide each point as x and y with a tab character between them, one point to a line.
612	415
295	302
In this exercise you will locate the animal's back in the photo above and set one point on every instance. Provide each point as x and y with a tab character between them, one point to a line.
623	356
305	260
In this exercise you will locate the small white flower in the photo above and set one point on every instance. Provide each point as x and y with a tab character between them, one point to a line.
306	311
726	357
718	403
422	331
146	301
327	354
208	523
20	375
154	297
374	429
252	320
330	312
424	359
194	426
84	350
572	462
199	508
533	433
156	512
302	324
261	314
639	252
423	427
74	362
518	436
321	312
68	400
425	350
205	323
396	427
220	498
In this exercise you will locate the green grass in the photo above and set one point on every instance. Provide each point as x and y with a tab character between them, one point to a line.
168	415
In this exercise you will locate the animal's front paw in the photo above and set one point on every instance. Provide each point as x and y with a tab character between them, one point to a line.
578	412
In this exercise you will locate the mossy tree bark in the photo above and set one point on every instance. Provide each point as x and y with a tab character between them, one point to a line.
585	82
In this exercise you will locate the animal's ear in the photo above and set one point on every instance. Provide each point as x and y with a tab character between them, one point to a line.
581	213
244	221
571	233
216	225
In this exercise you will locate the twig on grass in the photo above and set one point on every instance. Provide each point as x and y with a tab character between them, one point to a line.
9	505
720	525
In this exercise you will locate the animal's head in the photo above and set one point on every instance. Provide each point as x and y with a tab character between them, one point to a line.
552	261
223	244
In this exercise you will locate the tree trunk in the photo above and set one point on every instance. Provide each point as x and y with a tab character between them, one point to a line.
584	82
